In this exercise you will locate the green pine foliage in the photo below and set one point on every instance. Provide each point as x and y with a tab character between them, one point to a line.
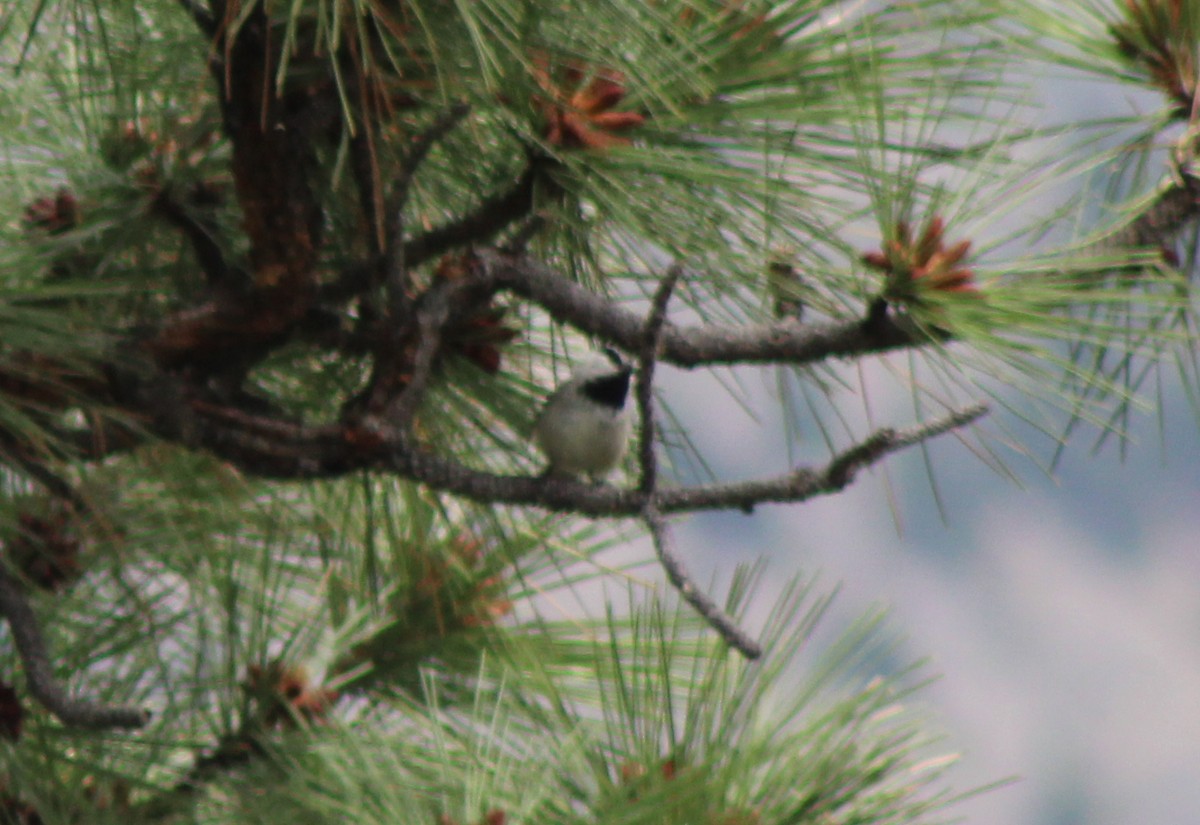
357	646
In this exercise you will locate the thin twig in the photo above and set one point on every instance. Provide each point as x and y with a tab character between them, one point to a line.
518	243
364	164
677	575
644	390
805	483
27	635
841	470
205	244
398	319
201	15
56	484
419	150
488	218
30	33
395	266
717	618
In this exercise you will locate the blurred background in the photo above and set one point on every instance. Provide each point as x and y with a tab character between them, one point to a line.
1061	617
1060	614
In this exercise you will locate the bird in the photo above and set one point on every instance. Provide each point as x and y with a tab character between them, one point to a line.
584	427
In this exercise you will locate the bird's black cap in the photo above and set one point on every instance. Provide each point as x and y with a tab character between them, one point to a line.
609	390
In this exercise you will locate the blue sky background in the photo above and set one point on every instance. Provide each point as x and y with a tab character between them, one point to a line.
1062	614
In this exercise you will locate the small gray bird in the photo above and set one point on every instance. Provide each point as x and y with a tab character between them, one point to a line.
585	425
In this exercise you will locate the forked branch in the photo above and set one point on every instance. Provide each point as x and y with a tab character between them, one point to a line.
660	533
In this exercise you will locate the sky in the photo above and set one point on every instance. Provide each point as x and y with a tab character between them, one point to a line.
1060	614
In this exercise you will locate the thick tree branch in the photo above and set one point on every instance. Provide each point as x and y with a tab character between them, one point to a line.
787	341
569	495
272	162
179	410
270	448
31	645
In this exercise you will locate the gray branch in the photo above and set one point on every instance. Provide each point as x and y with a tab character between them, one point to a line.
31	645
717	618
570	495
788	341
432	314
644	390
806	483
664	548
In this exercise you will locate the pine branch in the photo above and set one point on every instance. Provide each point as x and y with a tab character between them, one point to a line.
708	610
489	218
395	261
644	388
31	645
269	447
1172	209
660	534
787	341
431	320
418	151
568	495
203	17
